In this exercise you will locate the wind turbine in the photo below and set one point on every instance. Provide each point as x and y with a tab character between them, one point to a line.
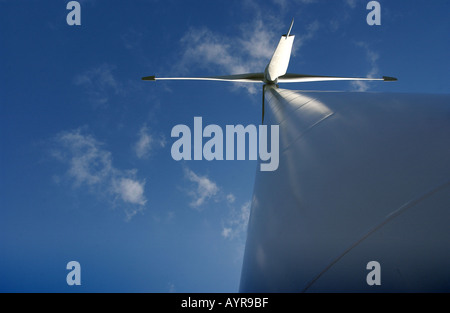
363	177
275	72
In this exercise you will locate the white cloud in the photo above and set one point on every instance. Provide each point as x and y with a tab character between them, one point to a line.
143	145
284	4
171	287
230	198
99	84
130	190
310	33
226	232
236	225
204	189
90	164
132	39
372	57
146	142
218	54
250	52
351	3
258	43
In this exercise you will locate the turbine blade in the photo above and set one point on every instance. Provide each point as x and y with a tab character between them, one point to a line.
290	28
299	78
279	62
263	100
246	78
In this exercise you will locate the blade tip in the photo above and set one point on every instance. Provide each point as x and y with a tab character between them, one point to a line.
389	79
290	28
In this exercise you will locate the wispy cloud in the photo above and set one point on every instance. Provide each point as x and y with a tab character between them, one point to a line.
147	142
143	145
132	39
285	4
248	52
90	164
214	52
230	198
372	57
130	190
236	225
99	84
171	288
203	190
351	3
310	33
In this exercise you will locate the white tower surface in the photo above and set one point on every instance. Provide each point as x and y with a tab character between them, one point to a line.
362	177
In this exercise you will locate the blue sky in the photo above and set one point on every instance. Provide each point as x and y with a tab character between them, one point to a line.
86	172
